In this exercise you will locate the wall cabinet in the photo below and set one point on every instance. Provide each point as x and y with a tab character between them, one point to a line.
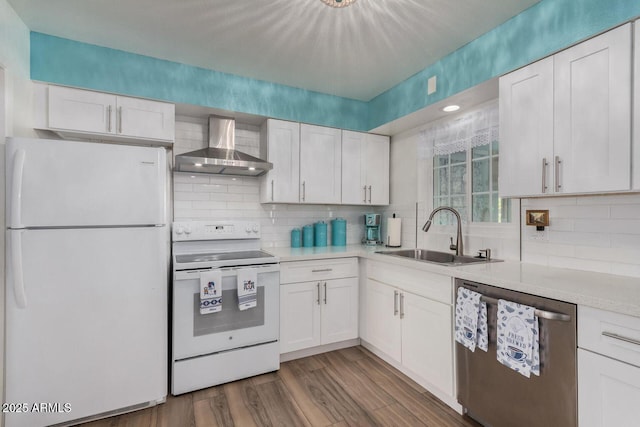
280	144
608	368
565	121
409	319
320	164
318	303
86	114
365	168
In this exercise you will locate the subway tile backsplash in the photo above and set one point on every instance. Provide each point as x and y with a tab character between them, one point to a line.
594	233
217	197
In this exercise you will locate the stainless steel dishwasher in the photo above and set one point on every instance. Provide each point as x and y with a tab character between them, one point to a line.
497	396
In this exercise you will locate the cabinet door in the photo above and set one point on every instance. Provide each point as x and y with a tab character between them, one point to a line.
592	129
608	391
383	318
320	164
354	179
377	169
526	130
427	343
339	311
281	184
299	316
81	110
141	118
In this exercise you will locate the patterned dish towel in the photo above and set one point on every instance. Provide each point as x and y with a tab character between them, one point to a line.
247	288
518	338
210	291
471	320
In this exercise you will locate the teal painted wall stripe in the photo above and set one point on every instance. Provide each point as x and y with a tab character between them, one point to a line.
68	62
539	31
544	28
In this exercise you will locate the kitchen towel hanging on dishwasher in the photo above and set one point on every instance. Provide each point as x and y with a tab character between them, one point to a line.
210	291
518	338
471	320
247	288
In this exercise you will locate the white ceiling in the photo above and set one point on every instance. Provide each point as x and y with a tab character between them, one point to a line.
356	52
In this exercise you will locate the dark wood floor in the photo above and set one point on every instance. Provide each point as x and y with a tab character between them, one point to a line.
349	387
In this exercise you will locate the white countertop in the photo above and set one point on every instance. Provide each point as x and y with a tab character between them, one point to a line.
620	294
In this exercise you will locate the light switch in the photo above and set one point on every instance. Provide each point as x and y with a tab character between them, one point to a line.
431	85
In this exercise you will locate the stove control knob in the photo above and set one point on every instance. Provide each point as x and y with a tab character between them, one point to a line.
248	229
255	228
187	230
179	230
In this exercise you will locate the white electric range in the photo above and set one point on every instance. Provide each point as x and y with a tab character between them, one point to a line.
215	348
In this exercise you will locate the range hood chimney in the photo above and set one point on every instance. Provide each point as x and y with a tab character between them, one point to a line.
220	157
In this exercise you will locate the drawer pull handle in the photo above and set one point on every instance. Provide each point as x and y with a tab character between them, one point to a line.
318	288
621	338
322	270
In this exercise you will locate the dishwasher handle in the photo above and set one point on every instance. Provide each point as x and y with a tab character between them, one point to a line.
549	315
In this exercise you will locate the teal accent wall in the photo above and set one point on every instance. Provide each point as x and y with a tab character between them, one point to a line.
67	62
543	29
535	33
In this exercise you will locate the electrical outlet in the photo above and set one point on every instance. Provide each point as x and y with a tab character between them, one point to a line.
431	85
533	234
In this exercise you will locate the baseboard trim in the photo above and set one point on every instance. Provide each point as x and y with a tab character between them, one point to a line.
285	357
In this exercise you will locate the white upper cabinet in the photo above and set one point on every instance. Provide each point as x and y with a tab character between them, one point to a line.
320	164
365	168
88	114
592	107
526	130
280	145
565	121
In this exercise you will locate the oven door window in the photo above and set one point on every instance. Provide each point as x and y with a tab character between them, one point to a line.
196	334
231	318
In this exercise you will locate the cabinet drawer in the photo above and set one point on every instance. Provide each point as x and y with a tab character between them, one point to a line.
437	287
326	269
611	334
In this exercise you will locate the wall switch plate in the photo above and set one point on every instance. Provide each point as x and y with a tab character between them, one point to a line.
431	85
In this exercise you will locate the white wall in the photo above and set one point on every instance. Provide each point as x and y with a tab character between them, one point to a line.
593	233
203	197
15	118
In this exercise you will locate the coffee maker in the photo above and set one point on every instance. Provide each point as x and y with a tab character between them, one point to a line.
372	229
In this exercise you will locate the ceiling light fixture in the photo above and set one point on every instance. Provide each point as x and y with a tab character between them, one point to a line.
338	3
451	108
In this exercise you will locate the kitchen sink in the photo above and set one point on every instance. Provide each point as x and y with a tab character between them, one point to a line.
435	257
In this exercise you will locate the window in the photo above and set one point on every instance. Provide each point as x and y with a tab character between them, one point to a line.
463	144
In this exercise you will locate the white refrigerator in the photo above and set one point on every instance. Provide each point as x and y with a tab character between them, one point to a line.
86	300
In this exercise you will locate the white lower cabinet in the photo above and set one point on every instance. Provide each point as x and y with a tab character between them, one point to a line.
318	303
608	368
608	391
408	316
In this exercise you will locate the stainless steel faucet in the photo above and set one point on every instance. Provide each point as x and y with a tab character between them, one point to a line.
458	247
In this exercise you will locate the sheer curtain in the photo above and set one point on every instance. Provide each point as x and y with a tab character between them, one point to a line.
472	129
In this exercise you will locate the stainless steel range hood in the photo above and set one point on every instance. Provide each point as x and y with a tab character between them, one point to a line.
221	157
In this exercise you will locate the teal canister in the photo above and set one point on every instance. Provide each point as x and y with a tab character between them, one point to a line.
296	238
339	232
321	233
307	236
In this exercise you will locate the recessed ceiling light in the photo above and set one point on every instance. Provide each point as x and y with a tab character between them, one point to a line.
197	164
252	169
451	108
338	3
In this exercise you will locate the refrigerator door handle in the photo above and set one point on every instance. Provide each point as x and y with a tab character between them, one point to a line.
16	268
16	189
